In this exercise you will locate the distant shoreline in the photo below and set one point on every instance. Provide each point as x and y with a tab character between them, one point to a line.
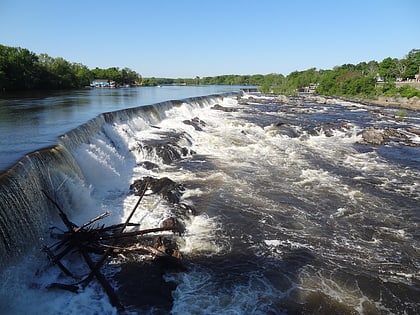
401	102
392	102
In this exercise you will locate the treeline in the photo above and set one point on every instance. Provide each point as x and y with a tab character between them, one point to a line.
230	79
365	79
21	69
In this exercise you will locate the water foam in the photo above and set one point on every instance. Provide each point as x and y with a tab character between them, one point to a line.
93	180
259	192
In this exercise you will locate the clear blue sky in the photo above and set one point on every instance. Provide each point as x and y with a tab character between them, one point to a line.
188	38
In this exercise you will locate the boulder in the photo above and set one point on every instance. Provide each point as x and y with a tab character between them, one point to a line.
414	131
196	122
283	99
167	188
373	136
396	134
186	209
168	152
222	108
282	128
148	165
174	224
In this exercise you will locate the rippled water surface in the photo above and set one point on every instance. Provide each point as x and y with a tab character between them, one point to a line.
294	212
33	120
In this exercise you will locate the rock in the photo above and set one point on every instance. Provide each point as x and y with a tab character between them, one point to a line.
172	261
329	128
222	108
185	209
395	133
168	148
196	122
414	131
174	224
141	286
403	136
373	136
168	152
321	100
167	188
185	151
148	165
414	100
282	128
244	101
283	99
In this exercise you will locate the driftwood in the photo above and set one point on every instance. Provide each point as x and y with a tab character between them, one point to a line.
88	240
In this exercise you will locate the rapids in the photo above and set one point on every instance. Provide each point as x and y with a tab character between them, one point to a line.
293	212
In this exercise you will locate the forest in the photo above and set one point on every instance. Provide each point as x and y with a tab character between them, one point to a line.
365	79
21	69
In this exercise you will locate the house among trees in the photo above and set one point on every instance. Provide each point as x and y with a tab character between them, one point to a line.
102	83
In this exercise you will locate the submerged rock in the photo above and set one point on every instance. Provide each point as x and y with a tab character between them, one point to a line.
329	128
282	128
185	209
174	224
168	150
222	108
170	146
398	135
142	287
414	131
283	99
148	165
196	122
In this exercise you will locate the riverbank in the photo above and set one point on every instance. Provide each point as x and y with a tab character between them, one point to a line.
393	102
396	102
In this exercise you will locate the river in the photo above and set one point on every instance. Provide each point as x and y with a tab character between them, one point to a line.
286	209
32	120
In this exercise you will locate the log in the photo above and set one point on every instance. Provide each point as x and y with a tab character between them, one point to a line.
136	248
160	257
56	261
68	287
113	298
135	233
101	240
143	191
99	217
98	265
70	225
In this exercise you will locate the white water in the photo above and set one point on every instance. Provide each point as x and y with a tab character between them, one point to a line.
109	168
257	190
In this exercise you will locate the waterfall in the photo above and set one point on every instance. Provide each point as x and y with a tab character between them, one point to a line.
25	211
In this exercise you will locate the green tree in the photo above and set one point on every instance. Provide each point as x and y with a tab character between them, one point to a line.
389	88
18	68
388	68
82	74
413	63
328	83
408	91
401	68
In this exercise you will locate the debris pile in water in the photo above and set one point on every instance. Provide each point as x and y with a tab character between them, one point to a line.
98	243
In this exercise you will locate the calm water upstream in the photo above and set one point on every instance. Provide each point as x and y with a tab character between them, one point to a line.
285	208
30	121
